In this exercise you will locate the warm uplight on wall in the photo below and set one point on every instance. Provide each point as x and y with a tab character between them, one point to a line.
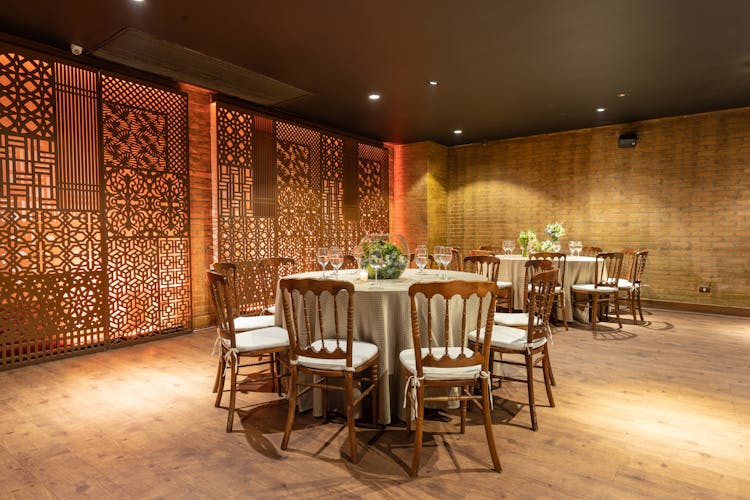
374	97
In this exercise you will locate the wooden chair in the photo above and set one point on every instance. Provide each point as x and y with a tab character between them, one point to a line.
323	347
270	271
604	287
489	266
478	252
439	365
456	263
531	344
242	323
628	261
233	345
590	251
521	320
631	286
558	262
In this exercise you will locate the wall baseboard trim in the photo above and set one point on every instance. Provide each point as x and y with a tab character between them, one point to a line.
699	308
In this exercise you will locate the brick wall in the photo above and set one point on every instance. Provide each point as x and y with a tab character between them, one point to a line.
683	193
201	239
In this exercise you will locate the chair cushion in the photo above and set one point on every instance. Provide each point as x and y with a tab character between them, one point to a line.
362	352
558	288
270	310
624	284
440	373
507	337
512	319
504	284
246	323
589	287
260	339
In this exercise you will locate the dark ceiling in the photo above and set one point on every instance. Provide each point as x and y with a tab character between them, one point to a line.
506	68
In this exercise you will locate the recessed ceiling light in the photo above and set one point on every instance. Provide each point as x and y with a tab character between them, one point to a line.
139	1
621	94
374	97
458	131
601	110
434	83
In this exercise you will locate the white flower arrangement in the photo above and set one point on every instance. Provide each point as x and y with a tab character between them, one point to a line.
555	230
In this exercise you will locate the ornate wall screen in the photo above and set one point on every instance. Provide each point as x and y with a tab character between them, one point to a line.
317	193
72	230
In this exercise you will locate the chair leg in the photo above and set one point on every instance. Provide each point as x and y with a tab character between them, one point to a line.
418	434
530	384
324	399
232	393
617	309
547	379
218	374
349	388
638	298
549	367
374	373
486	395
222	376
272	368
594	310
292	406
564	313
463	409
631	296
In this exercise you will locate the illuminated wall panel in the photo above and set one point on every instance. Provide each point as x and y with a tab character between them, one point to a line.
322	195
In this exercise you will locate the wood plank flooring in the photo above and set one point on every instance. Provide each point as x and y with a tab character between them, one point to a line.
659	410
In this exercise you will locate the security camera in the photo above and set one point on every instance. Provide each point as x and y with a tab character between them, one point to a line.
76	49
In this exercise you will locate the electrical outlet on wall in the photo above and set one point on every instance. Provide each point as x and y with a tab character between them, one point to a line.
704	289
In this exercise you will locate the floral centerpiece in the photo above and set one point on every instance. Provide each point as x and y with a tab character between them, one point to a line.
527	241
394	251
555	231
547	246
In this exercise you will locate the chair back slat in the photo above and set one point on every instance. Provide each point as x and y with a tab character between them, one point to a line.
607	269
559	261
628	261
471	293
270	270
541	298
486	265
304	297
533	267
639	264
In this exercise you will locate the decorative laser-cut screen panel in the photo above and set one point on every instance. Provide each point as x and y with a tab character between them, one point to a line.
59	292
144	140
311	175
52	282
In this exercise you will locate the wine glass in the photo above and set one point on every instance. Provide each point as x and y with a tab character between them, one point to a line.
420	258
323	258
437	254
447	258
376	263
508	246
357	254
336	258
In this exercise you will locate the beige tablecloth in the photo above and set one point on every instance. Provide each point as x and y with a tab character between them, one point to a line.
577	270
382	316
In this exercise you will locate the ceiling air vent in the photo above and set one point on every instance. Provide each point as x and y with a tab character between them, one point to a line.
136	49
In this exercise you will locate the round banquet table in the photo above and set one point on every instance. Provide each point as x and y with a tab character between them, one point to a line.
382	316
578	269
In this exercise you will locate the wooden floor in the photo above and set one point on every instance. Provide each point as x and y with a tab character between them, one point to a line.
661	410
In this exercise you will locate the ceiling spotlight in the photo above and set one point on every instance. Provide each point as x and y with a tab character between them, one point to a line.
458	131
621	94
374	97
434	83
601	110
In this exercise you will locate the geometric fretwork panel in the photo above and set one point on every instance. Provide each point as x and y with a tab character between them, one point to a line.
310	186
26	95
53	299
144	146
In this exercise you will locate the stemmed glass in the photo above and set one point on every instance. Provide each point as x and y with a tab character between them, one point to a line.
437	254
508	246
323	259
357	254
447	258
337	259
575	246
376	263
420	258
